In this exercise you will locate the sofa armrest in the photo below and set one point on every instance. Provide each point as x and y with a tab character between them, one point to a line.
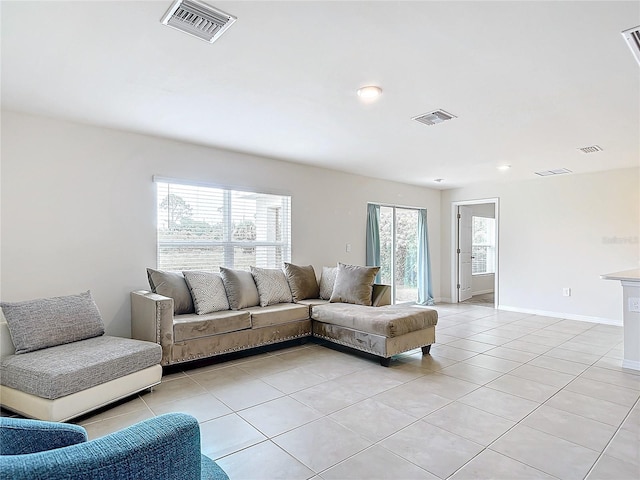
381	295
152	319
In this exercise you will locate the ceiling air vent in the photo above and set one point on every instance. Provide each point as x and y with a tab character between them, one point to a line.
632	37
198	19
431	118
591	149
557	171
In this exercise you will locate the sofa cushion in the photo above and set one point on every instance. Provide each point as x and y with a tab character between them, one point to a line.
47	322
354	284
188	327
241	288
207	291
272	286
387	321
172	285
327	281
58	371
302	281
277	314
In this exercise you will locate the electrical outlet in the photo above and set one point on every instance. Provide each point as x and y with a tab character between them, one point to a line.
348	248
566	292
634	304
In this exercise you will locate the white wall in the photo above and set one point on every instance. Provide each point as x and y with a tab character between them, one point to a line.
557	232
78	208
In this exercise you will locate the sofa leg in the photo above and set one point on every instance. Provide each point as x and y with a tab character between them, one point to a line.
426	349
385	362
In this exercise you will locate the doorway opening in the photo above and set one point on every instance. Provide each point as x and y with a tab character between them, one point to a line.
474	259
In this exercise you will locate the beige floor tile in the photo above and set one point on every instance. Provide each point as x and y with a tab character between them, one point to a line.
267	366
469	422
586	406
471	345
510	332
328	397
247	394
372	419
552	455
573	356
446	386
584	348
499	403
599	339
574	428
604	391
113	424
625	446
445	339
370	381
609	468
413	398
204	407
559	365
278	416
490	464
128	405
226	435
525	344
522	387
221	378
293	380
570	326
497	364
511	354
321	444
431	448
471	373
172	390
632	422
426	362
489	339
617	378
334	367
543	375
264	460
376	463
451	353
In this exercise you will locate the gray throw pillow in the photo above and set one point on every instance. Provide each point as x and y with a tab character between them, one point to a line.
354	284
327	280
272	286
173	285
207	291
240	287
47	322
302	282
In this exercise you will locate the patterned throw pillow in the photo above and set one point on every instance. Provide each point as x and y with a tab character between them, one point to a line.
272	286
302	281
207	291
47	322
327	280
354	284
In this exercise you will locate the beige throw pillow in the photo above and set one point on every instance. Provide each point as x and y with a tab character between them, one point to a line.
173	285
354	284
327	280
302	281
240	287
272	286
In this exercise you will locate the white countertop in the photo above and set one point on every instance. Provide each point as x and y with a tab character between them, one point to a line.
632	275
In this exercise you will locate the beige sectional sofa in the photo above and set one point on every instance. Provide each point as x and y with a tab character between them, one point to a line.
345	307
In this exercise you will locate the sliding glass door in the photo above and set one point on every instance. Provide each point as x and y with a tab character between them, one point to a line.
399	252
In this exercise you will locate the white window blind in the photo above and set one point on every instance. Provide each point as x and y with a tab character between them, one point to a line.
203	228
483	249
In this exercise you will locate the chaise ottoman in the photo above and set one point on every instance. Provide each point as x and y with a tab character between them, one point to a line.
384	331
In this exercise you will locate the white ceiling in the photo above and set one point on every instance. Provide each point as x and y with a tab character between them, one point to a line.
530	82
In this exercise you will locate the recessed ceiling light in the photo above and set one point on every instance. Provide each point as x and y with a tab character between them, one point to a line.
369	92
504	167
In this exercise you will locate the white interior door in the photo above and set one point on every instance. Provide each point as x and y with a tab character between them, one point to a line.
464	252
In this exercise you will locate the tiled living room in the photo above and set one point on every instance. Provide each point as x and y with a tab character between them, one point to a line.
484	154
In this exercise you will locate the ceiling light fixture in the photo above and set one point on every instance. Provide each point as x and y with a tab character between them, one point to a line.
438	180
504	167
369	92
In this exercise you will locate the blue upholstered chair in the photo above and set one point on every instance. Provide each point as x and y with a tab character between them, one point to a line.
165	447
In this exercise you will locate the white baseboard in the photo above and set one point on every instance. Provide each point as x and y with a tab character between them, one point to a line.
567	316
631	364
